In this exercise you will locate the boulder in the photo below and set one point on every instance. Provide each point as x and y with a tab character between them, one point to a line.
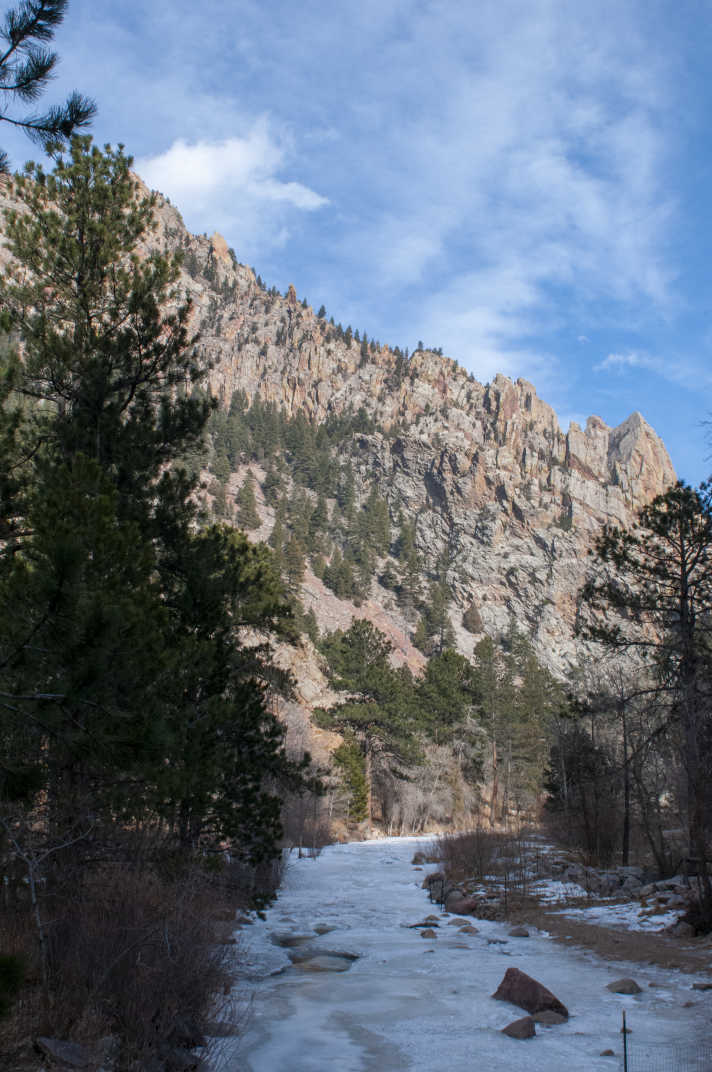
429	933
702	986
460	903
624	986
323	928
520	989
608	1053
520	1029
519	932
549	1018
468	929
458	921
291	941
325	963
298	956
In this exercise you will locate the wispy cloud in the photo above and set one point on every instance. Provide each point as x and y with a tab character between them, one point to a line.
234	183
678	370
521	181
633	359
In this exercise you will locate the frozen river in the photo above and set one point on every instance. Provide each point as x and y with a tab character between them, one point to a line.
424	1004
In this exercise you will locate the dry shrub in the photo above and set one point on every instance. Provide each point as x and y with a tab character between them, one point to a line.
482	853
245	885
134	954
595	841
18	939
470	854
306	823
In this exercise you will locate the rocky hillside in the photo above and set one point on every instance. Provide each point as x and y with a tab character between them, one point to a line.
483	468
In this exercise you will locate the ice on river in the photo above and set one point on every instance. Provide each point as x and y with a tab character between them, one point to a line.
421	1004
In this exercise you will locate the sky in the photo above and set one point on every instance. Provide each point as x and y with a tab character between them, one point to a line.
524	184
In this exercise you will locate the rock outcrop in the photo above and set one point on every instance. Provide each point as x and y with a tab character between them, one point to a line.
484	469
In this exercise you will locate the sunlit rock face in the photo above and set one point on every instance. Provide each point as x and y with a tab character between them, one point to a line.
484	468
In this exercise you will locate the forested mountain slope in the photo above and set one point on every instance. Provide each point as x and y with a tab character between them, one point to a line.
392	487
503	504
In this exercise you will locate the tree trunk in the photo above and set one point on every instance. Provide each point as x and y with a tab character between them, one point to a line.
625	851
495	785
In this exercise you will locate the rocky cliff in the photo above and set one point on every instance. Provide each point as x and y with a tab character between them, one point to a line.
484	469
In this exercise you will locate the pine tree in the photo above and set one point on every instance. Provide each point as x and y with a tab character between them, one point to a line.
247	516
410	564
379	709
136	671
493	675
276	538
294	563
435	633
272	487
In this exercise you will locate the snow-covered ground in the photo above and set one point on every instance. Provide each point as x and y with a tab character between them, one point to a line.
423	1004
630	916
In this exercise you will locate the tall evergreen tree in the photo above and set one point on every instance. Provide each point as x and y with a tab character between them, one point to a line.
108	655
247	516
294	563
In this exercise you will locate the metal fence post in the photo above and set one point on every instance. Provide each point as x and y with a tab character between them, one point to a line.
624	1032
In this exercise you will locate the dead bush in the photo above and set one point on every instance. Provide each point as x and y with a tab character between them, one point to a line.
134	954
131	952
470	854
484	854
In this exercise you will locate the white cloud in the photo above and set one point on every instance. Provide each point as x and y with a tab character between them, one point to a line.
633	359
232	185
677	370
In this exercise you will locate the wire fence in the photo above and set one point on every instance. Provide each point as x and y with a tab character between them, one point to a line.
680	1056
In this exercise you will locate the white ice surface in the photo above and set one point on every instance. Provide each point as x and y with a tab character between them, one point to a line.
419	1004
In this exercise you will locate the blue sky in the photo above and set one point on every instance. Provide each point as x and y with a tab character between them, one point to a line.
526	184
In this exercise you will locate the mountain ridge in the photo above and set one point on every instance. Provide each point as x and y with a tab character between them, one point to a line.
484	470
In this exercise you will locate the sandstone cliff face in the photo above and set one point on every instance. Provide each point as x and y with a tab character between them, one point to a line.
484	468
